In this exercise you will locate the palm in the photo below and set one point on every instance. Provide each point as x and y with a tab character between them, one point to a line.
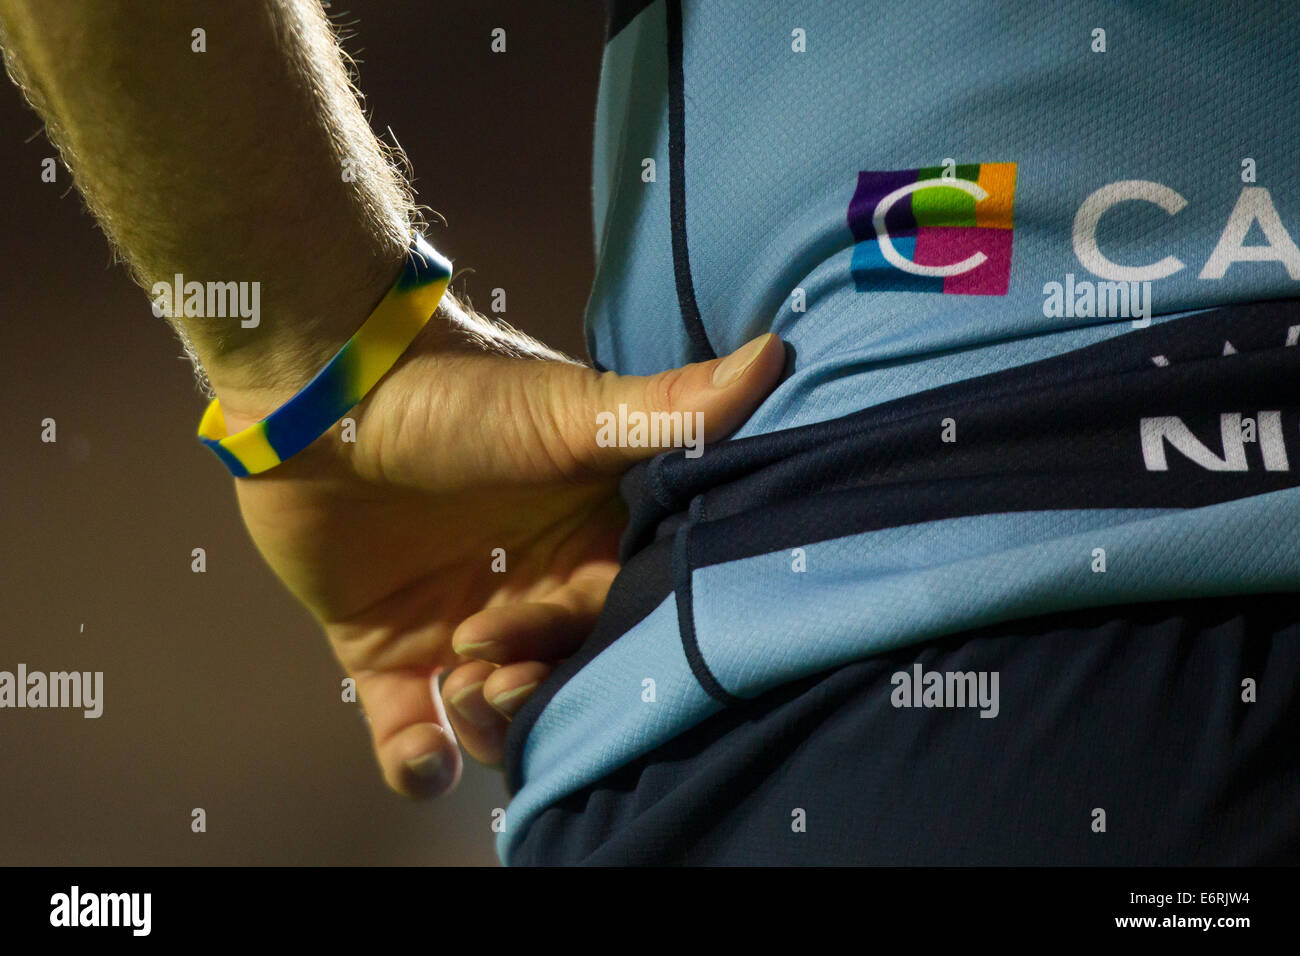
391	573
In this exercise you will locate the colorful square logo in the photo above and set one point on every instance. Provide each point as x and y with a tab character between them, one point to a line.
940	229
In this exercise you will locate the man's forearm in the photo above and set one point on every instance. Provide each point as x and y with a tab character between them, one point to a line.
249	162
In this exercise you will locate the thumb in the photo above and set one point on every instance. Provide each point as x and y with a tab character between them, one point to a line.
632	417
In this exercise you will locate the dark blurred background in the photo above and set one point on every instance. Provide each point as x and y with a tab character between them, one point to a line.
219	692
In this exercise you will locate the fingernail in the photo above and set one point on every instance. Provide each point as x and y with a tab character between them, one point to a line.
427	766
478	650
512	700
734	365
469	703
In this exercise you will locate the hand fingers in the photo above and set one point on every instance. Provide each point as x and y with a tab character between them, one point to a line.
484	699
413	739
480	727
510	421
545	630
704	401
510	687
604	423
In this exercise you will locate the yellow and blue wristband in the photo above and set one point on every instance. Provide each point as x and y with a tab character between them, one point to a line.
353	371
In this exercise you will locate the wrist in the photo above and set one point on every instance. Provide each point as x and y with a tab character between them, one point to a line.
256	368
259	429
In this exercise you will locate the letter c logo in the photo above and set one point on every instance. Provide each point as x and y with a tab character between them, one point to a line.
886	244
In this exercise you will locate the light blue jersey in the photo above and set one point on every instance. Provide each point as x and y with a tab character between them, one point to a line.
998	239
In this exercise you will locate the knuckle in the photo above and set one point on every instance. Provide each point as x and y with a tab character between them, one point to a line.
667	390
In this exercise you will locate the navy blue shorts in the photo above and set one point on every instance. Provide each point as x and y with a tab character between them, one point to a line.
1156	734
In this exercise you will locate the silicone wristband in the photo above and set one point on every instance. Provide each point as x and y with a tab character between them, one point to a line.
345	380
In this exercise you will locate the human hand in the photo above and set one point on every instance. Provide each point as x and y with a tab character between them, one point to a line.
390	540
